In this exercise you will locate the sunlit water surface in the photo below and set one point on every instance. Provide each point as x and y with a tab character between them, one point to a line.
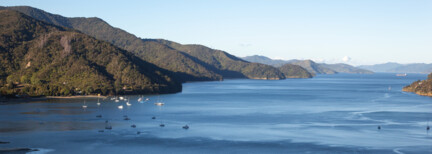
326	114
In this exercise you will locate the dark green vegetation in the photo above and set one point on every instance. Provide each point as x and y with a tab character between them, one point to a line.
201	63
223	63
421	87
294	71
38	58
311	66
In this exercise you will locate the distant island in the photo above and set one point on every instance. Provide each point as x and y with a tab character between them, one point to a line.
45	54
309	65
421	87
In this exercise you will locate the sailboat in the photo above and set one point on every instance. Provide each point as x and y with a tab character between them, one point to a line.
159	103
84	106
140	99
427	126
128	104
98	103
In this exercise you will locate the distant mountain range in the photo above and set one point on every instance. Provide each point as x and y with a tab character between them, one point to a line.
309	65
399	68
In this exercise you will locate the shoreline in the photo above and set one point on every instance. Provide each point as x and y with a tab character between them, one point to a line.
70	97
417	92
42	98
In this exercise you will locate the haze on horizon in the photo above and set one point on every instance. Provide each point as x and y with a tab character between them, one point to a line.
355	32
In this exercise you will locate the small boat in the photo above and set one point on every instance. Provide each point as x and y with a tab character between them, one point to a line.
401	74
427	128
153	117
98	103
84	106
159	103
108	127
127	118
121	98
120	107
116	100
379	127
162	125
133	126
101	131
138	132
128	104
99	116
140	99
147	99
185	127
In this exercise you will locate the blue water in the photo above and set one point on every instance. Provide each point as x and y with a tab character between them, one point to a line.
326	114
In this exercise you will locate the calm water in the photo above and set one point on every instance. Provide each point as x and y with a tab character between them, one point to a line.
326	114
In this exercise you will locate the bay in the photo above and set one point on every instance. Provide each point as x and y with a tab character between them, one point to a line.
325	114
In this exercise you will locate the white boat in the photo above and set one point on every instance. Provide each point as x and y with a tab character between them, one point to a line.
120	107
98	103
84	106
116	100
140	99
147	99
402	74
128	104
159	103
121	98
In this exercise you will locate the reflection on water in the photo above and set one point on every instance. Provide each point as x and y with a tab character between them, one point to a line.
65	111
326	114
25	126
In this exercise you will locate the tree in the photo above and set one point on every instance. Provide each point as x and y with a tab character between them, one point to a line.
25	79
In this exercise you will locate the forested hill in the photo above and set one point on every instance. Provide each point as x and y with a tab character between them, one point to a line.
38	58
189	66
223	63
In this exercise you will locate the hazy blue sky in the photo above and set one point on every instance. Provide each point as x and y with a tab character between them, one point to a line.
367	31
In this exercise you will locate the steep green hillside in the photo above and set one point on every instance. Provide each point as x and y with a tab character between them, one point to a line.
294	71
186	68
189	66
38	58
223	63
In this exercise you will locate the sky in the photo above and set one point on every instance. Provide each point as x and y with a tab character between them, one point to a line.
351	31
